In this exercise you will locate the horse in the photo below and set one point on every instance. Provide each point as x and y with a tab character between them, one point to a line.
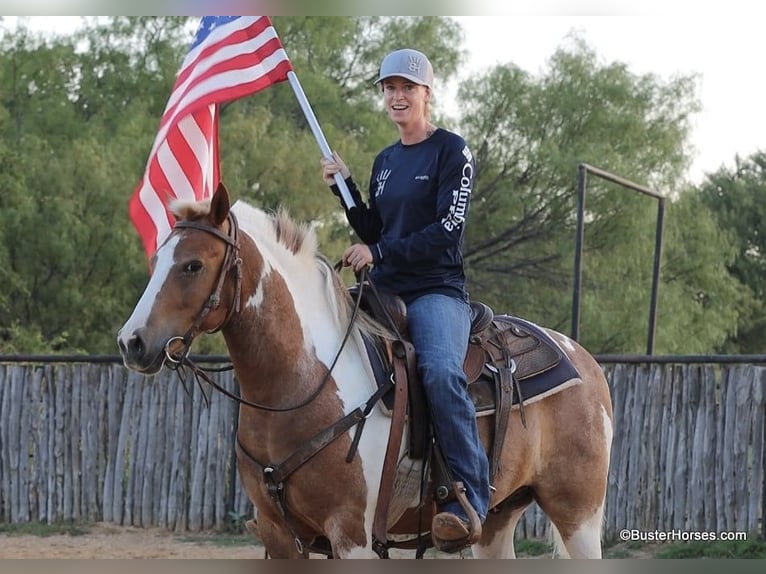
297	345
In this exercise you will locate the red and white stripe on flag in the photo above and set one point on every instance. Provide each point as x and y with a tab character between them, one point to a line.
230	57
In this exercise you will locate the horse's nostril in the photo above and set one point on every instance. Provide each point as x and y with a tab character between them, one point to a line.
133	347
136	346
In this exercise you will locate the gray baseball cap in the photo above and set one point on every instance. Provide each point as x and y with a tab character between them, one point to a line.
409	64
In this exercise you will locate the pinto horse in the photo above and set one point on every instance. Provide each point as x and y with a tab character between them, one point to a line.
297	347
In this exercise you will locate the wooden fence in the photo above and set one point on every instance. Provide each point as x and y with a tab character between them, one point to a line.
95	442
688	450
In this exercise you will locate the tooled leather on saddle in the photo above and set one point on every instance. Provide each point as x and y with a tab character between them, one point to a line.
508	361
539	363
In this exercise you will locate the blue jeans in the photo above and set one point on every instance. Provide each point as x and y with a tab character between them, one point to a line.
439	327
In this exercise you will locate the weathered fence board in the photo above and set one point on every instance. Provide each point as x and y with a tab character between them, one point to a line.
97	442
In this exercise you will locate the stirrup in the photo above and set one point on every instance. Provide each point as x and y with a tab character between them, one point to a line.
472	526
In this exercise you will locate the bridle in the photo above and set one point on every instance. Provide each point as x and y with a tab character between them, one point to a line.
231	261
180	360
274	475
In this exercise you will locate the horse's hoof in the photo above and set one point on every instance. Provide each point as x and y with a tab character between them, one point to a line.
450	533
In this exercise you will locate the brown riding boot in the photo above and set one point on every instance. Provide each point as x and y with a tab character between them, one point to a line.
449	532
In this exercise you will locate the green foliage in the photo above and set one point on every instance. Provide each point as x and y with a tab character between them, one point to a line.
532	547
43	529
78	116
697	280
235	523
735	200
225	540
531	133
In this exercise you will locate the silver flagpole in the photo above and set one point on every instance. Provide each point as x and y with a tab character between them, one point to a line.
326	151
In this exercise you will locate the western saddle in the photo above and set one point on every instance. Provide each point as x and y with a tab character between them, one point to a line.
502	353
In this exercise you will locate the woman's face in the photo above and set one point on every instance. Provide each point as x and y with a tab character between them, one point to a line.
405	101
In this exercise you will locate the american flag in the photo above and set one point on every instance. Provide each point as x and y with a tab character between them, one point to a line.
230	57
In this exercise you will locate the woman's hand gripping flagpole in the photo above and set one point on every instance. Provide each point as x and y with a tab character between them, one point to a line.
321	140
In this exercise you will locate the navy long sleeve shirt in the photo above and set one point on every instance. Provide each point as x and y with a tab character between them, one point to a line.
415	220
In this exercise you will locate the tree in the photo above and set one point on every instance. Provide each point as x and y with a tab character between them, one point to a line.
735	198
74	260
530	133
78	116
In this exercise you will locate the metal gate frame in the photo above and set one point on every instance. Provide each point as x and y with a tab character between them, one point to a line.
582	179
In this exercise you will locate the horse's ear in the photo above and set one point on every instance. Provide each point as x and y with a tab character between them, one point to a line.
220	205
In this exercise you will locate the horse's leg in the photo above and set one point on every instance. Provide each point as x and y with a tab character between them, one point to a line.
582	542
346	535
573	498
497	534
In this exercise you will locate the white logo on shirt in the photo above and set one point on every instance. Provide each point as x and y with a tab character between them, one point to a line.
381	180
460	197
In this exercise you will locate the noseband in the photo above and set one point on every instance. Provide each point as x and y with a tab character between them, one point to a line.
231	261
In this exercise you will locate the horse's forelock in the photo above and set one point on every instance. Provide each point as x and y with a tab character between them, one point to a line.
184	210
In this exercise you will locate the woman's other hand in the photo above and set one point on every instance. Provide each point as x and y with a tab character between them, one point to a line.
357	256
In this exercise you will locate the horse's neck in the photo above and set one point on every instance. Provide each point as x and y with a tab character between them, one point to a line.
286	337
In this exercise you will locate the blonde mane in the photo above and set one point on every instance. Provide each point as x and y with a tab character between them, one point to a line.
281	228
295	241
299	240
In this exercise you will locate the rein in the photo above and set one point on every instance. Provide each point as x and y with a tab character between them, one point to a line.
274	475
232	260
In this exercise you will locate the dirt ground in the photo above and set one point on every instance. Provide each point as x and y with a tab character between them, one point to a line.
109	541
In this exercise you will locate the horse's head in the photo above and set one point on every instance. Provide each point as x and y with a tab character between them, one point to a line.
188	291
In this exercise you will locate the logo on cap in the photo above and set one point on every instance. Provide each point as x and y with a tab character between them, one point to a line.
415	64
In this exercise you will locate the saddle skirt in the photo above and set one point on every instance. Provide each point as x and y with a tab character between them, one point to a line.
539	366
509	362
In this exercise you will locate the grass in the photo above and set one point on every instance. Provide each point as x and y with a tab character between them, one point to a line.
752	548
43	529
532	547
219	540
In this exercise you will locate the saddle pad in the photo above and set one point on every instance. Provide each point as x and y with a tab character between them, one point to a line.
482	391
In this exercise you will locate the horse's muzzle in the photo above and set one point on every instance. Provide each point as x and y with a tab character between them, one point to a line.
137	355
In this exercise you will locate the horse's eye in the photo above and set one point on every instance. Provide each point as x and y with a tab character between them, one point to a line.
193	267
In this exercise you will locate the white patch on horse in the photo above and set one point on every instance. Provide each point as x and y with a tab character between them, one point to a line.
563	341
255	300
311	288
163	264
608	431
585	542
